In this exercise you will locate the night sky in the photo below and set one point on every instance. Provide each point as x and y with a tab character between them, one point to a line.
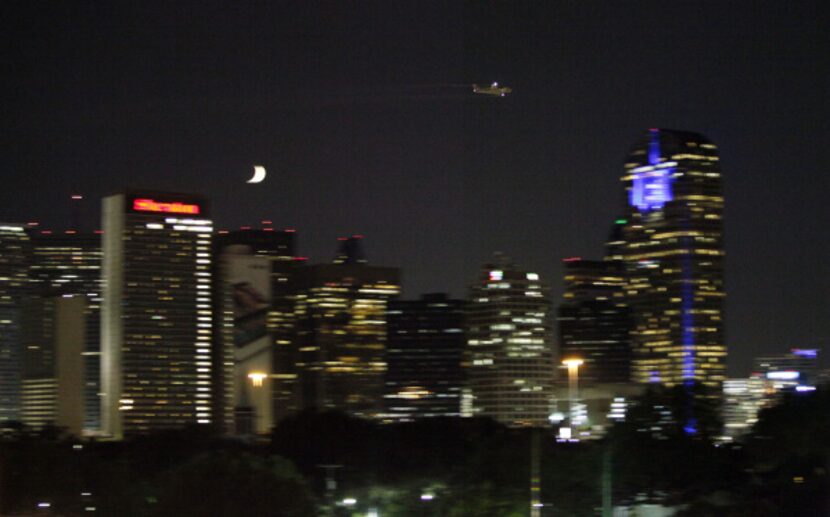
364	116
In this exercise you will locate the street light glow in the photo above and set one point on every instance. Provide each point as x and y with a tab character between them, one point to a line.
257	378
573	364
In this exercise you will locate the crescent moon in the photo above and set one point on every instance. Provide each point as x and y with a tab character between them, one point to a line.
259	174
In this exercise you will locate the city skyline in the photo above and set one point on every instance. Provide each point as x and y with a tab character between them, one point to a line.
372	128
415	258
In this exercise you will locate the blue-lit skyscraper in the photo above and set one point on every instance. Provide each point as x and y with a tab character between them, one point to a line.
672	248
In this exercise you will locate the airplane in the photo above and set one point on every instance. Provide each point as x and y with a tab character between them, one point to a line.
493	89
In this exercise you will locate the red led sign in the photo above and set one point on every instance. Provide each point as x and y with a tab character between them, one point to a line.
150	205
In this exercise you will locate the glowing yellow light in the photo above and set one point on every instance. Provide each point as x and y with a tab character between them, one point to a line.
257	378
573	362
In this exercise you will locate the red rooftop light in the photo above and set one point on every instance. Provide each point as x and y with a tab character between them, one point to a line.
572	259
150	205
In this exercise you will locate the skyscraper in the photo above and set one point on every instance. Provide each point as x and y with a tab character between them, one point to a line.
594	320
255	323
673	254
509	346
68	264
53	371
14	257
424	351
340	336
156	324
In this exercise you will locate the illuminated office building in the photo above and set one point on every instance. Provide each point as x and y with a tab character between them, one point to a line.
14	257
156	313
424	354
772	375
594	321
797	369
68	264
340	336
742	400
802	360
509	347
673	254
255	328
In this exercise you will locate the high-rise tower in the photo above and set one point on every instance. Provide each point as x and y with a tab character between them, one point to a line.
424	355
340	337
254	326
594	321
156	324
673	253
54	377
14	257
509	346
68	264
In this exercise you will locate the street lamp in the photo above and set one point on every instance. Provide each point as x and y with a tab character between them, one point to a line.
573	364
257	378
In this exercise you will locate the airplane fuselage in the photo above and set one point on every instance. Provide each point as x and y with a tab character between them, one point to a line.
494	90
